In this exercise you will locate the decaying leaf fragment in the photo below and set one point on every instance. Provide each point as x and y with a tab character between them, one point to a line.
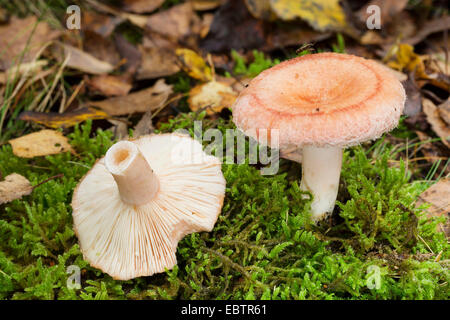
213	95
439	126
194	65
14	187
438	196
41	143
63	120
85	62
321	14
140	101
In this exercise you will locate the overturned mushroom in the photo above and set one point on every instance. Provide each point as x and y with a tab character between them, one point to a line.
136	203
321	103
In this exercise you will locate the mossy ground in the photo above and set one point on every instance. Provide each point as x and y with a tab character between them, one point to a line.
262	246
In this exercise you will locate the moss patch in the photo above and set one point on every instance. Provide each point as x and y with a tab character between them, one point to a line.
263	245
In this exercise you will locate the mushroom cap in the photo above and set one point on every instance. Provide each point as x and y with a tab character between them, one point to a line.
128	241
324	99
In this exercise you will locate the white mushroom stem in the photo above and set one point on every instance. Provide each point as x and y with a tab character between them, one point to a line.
135	178
321	169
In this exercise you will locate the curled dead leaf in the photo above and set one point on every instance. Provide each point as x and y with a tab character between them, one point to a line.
322	15
80	60
439	126
41	143
438	196
14	187
22	39
109	85
63	120
213	95
194	65
156	63
140	101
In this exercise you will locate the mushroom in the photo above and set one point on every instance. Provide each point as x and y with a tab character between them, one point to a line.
135	204
321	103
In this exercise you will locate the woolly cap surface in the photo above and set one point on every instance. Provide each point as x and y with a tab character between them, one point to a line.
128	241
324	99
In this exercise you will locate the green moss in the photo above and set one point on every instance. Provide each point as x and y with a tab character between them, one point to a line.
262	246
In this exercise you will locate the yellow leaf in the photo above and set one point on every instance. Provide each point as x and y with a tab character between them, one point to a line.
214	96
402	57
194	65
41	143
63	120
321	14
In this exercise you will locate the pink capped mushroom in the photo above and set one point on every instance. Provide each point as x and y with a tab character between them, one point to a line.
135	204
321	103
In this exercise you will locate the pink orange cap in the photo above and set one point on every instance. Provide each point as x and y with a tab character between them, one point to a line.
324	99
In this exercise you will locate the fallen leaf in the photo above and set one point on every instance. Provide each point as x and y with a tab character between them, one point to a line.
444	111
413	103
233	27
80	60
131	54
27	68
213	95
21	34
175	23
62	120
100	47
322	15
438	196
194	65
433	26
41	143
402	57
156	63
389	9
14	187
140	101
101	24
145	125
291	34
260	9
205	5
109	85
439	126
141	6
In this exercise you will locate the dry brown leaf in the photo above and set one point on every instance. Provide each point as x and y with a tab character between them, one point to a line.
260	9
101	24
140	101
109	85
62	120
156	63
204	5
129	53
141	6
213	95
430	27
100	47
80	60
444	111
439	126
438	195
14	187
176	22
15	37
41	143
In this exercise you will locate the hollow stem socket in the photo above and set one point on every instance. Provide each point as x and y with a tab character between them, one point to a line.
135	179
